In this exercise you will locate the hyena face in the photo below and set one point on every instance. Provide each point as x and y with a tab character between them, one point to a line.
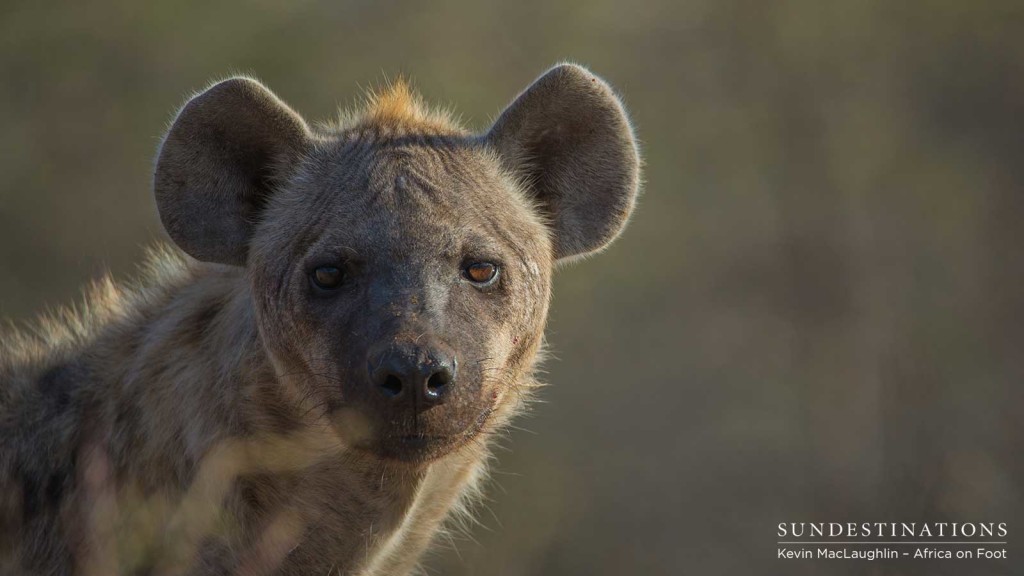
399	266
409	276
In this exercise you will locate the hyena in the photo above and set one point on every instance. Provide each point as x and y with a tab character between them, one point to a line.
309	380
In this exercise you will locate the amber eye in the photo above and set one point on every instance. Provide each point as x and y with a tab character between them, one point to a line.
327	277
481	272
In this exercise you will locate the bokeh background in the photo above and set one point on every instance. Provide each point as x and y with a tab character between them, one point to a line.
816	314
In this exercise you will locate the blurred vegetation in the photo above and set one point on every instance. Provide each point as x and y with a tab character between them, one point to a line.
815	315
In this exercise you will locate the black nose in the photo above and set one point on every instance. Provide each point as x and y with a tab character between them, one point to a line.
422	376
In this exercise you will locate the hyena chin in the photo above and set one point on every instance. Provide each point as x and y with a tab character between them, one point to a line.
308	382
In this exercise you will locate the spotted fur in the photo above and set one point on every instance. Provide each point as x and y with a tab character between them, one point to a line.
217	416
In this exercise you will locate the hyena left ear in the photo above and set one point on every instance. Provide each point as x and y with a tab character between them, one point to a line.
218	164
568	137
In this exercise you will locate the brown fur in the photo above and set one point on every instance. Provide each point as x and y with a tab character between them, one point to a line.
397	107
222	416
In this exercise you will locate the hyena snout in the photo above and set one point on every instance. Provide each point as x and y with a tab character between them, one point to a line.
416	376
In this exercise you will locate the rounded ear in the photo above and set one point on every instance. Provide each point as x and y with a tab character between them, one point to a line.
568	137
218	164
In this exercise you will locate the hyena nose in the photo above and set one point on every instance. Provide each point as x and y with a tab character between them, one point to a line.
420	376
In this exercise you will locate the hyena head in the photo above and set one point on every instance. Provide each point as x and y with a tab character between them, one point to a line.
399	266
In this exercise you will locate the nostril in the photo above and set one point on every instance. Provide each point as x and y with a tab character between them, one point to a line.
392	385
437	383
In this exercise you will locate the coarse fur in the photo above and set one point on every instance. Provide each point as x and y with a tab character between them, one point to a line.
230	413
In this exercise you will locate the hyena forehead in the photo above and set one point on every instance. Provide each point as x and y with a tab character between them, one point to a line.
439	191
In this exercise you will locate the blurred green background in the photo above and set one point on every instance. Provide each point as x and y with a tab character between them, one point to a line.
816	314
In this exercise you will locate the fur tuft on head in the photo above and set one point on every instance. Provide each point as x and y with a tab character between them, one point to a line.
396	106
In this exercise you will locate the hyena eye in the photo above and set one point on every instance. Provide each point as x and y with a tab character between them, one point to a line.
327	277
482	273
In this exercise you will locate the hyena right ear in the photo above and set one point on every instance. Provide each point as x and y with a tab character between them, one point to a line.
218	163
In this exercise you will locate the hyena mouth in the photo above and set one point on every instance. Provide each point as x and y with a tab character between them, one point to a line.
414	449
423	448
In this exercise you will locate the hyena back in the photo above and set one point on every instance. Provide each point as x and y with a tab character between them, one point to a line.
308	383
